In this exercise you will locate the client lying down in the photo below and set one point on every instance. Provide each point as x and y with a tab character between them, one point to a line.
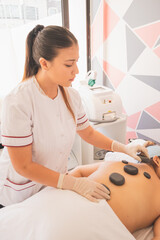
134	190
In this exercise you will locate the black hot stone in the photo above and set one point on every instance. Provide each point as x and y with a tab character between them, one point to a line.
131	169
124	161
107	188
147	175
117	179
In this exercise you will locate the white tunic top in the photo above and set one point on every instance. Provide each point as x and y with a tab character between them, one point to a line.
29	117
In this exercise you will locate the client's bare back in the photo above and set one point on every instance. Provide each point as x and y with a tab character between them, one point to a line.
134	190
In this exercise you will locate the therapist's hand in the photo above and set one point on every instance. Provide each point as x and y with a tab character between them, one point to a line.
133	150
130	149
85	187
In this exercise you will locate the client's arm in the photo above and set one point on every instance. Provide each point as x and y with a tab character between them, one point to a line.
156	229
84	170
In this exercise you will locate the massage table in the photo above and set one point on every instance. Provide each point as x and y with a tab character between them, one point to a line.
65	215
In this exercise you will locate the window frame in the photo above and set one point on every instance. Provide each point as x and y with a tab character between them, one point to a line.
65	13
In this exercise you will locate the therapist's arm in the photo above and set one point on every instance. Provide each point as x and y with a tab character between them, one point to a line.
95	138
21	158
99	140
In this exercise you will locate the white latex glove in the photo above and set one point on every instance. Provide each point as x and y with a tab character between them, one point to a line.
141	142
83	186
130	149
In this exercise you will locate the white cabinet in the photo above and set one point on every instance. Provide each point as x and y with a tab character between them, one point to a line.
115	130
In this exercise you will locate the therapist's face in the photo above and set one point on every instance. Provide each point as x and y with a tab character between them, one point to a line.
63	68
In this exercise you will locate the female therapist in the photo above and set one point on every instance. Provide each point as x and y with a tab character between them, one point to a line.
40	118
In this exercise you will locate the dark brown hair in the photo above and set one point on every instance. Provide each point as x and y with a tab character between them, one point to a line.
45	42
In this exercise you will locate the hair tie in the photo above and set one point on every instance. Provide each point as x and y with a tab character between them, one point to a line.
37	29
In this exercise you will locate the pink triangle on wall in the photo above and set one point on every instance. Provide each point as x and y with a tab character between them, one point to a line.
97	30
110	20
114	74
149	34
154	110
132	120
157	51
104	22
130	134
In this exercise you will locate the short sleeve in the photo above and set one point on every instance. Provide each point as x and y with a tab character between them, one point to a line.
82	119
16	122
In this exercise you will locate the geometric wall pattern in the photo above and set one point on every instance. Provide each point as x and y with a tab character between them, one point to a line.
125	52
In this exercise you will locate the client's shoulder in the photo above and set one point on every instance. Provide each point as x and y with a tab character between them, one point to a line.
107	164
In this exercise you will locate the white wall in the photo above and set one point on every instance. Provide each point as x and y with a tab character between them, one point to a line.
12	45
12	49
77	13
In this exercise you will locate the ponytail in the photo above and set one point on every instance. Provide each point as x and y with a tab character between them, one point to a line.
66	101
31	67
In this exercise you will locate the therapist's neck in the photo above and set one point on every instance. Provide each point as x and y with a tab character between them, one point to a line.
49	88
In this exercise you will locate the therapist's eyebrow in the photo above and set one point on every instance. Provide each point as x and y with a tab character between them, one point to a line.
71	60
